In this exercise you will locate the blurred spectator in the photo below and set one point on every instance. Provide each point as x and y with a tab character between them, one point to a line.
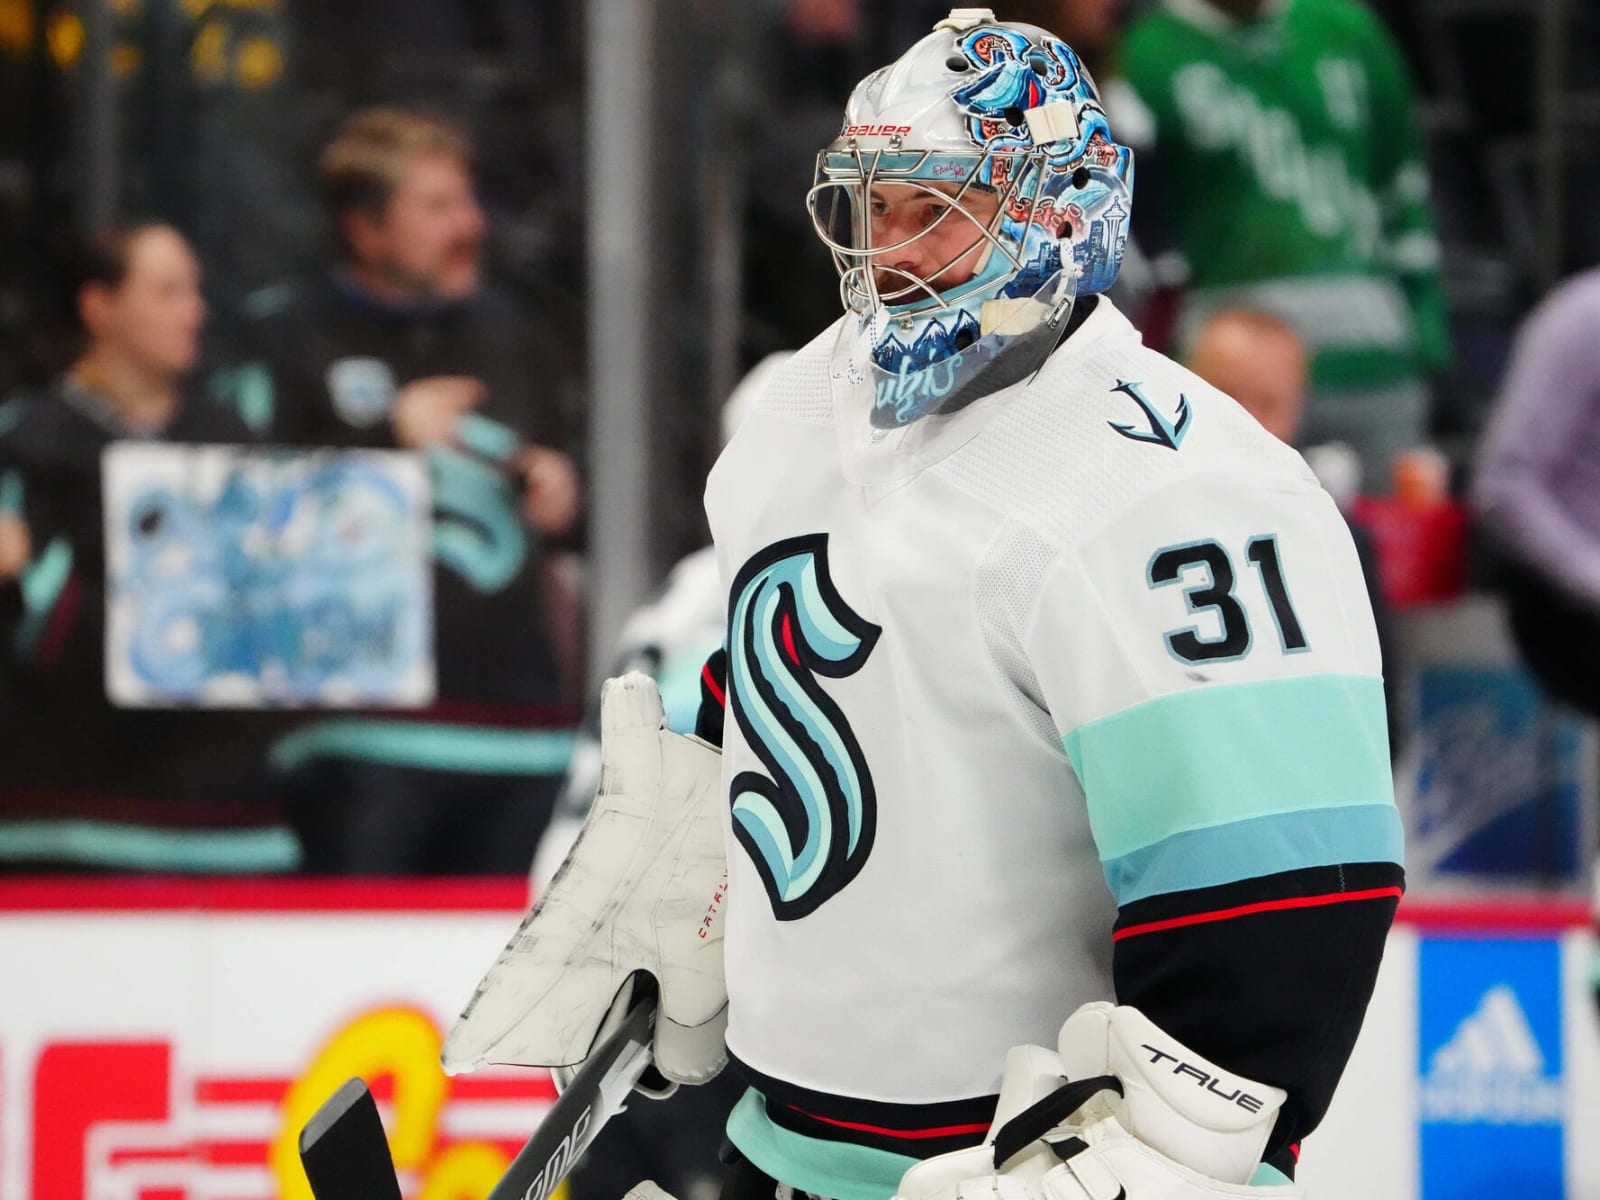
1537	491
1286	176
402	344
1261	362
1258	360
825	20
84	783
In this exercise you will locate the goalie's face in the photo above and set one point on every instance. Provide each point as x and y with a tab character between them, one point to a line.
935	236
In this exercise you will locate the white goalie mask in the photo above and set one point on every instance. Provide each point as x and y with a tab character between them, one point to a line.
972	194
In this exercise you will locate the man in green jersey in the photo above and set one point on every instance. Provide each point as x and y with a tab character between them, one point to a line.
1291	181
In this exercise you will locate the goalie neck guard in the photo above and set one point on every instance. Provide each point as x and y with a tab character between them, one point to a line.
999	127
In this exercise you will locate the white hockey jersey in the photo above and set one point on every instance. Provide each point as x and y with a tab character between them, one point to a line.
1113	644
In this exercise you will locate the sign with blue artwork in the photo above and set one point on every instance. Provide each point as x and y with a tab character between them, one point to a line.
1492	1091
250	578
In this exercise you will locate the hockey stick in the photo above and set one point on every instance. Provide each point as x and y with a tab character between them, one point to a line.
343	1148
346	1155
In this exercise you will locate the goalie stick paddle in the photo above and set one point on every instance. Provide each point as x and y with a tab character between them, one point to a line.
346	1155
343	1148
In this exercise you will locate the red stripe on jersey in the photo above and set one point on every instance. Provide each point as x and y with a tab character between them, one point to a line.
60	622
788	640
942	1131
710	681
1245	910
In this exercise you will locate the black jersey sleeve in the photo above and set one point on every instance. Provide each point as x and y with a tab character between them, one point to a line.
1269	977
713	698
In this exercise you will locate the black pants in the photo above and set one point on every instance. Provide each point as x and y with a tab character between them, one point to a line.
1558	638
364	818
673	1141
746	1181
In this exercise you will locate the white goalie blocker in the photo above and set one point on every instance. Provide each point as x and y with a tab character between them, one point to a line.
1119	1110
1142	1118
642	891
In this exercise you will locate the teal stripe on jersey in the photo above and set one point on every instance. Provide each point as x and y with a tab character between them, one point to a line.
11	491
147	848
1260	846
1269	1176
41	586
836	1169
1219	754
462	748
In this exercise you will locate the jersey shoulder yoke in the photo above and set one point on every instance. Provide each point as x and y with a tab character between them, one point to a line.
1108	423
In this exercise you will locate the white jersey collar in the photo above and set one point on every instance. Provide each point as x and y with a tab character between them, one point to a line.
880	474
1105	322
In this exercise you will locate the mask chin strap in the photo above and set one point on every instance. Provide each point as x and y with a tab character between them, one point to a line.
1058	319
999	315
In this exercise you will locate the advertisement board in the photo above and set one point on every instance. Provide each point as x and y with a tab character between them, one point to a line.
1477	1073
1496	783
167	1040
151	1049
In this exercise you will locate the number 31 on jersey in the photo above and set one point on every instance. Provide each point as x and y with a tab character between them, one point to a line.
1206	573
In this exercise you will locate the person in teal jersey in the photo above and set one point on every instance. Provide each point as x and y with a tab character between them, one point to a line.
90	783
1288	178
405	344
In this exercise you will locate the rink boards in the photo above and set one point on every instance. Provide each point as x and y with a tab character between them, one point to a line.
166	1040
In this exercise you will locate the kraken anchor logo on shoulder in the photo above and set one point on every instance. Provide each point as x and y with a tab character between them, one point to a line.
1157	429
808	822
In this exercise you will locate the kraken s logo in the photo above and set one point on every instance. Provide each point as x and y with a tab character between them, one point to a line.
808	823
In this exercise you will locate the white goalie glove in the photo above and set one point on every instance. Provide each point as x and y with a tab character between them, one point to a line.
642	890
1142	1118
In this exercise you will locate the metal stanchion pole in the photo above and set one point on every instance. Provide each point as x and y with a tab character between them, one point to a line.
99	178
617	115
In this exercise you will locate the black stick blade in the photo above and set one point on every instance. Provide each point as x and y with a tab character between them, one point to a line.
344	1150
